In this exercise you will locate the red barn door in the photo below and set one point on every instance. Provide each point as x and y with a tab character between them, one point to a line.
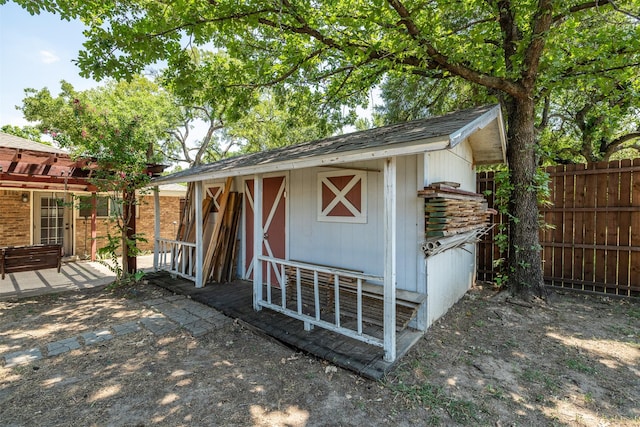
274	224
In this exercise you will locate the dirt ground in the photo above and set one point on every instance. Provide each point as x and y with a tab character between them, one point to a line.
489	361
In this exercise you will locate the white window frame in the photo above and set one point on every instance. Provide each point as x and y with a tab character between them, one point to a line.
358	217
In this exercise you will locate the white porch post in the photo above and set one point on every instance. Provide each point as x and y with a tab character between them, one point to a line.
390	259
421	261
258	235
156	232
199	251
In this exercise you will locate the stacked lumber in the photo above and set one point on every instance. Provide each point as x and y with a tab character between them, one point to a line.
186	228
221	251
450	211
407	303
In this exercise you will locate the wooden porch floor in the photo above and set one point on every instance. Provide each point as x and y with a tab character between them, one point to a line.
236	301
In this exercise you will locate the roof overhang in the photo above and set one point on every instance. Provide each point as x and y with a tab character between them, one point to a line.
30	169
404	149
485	134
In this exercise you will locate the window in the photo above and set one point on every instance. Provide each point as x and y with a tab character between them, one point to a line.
342	196
102	206
51	220
105	207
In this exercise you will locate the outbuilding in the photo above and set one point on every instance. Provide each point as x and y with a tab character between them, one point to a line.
342	239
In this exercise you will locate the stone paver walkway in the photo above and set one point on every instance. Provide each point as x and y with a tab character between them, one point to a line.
171	312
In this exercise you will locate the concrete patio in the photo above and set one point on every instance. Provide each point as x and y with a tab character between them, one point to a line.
74	275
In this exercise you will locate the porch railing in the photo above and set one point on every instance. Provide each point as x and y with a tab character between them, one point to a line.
176	257
288	299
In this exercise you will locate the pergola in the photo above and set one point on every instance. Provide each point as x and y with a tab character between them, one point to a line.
40	170
29	165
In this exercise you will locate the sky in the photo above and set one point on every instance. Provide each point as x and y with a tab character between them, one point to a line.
38	51
35	52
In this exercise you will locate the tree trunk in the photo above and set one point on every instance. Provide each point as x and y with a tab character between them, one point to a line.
129	260
525	264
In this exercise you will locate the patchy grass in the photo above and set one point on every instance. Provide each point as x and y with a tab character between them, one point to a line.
580	366
487	362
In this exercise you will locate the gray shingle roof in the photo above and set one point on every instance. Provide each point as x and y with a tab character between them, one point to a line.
12	141
434	129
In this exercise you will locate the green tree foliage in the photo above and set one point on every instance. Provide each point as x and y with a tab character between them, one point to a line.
413	97
340	49
117	126
240	117
275	121
119	123
593	120
27	132
209	87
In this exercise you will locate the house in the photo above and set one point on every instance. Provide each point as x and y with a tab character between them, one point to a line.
46	199
341	224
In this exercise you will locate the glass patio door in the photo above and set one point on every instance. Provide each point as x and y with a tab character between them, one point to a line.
53	221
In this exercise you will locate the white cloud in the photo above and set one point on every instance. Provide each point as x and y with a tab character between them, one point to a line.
48	57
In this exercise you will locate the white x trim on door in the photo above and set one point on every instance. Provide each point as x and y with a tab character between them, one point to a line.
272	211
216	197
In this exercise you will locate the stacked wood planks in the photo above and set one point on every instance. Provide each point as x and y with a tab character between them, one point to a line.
222	249
450	211
220	252
407	303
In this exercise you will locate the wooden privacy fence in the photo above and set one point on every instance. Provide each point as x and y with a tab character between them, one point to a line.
594	242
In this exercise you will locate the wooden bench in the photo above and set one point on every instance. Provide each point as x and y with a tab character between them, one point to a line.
14	259
407	303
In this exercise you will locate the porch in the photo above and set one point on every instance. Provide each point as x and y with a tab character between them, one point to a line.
343	301
235	300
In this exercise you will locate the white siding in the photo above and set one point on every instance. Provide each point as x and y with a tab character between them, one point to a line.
356	246
452	165
451	273
360	246
345	245
410	225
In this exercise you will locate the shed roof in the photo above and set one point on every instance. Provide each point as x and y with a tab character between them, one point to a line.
481	125
11	141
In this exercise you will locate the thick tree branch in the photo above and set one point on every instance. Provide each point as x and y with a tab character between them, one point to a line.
593	5
544	121
541	24
443	62
624	138
579	8
510	32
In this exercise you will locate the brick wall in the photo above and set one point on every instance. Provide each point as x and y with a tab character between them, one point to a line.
15	219
145	222
169	214
83	235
